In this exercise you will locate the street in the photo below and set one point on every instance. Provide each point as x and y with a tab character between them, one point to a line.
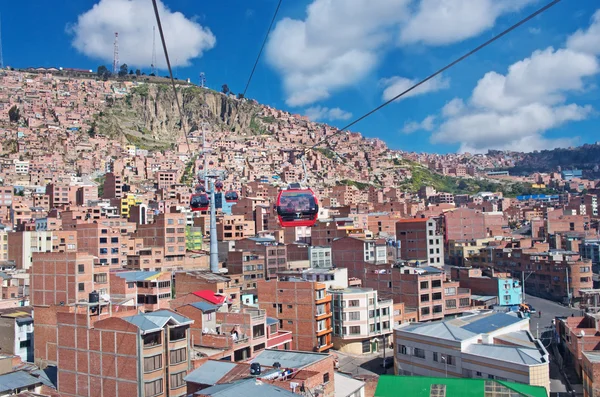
366	364
541	327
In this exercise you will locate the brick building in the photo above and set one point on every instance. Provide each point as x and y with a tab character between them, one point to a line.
420	240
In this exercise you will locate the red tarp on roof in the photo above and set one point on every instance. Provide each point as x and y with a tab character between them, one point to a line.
210	296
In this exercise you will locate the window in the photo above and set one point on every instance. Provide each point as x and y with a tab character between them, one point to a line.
354	316
176	380
464	302
478	374
435	356
436	283
437	391
81	287
420	353
114	250
153	388
103	251
450	291
25	343
152	339
402	349
153	363
447	358
354	330
176	333
326	377
371	313
436	296
100	278
103	240
424	284
81	268
366	346
353	303
425	298
114	240
178	356
425	311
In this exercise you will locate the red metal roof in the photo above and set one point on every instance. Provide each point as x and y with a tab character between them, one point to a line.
210	296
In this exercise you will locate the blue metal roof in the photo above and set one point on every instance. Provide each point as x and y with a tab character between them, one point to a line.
210	372
246	387
491	323
17	380
288	358
134	276
271	321
204	306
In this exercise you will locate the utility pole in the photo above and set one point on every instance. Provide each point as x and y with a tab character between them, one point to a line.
568	290
522	286
116	54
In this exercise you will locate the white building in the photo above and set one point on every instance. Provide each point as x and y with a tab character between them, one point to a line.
320	257
486	345
360	320
21	167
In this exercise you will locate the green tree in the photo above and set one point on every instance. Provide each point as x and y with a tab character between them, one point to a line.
130	71
138	72
14	114
102	70
123	70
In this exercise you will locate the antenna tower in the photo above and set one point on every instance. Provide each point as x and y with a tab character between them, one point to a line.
202	80
116	55
153	64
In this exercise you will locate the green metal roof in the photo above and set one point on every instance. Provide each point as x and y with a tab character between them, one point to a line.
420	386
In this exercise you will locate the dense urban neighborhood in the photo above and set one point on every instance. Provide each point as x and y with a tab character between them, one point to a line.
420	271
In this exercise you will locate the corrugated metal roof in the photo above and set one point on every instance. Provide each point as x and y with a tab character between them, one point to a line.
210	372
17	380
489	323
246	387
442	330
288	359
271	321
154	321
131	277
204	306
513	354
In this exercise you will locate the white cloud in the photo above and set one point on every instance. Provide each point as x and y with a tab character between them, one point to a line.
440	22
337	45
340	42
133	19
428	124
317	113
396	85
534	30
514	110
589	40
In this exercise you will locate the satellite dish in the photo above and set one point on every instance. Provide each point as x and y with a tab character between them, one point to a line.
581	334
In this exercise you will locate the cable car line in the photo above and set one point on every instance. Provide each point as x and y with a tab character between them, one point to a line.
431	76
262	47
164	44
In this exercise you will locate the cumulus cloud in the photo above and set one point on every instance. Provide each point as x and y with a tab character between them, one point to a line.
397	85
340	42
440	22
428	124
319	113
337	45
93	33
587	40
513	111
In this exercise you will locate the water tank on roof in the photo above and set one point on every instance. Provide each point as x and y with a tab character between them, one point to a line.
255	369
94	297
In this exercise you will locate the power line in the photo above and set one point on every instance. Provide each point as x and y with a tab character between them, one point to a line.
451	64
164	44
262	47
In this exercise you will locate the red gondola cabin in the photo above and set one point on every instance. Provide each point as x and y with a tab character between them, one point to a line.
231	196
297	207
199	202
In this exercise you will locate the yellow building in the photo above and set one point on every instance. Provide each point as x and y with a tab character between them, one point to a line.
127	202
460	251
538	186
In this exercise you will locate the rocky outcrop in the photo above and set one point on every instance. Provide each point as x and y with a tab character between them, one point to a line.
148	116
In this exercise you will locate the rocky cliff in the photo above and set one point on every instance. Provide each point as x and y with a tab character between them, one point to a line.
148	116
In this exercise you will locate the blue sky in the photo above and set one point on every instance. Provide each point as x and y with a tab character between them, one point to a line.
336	59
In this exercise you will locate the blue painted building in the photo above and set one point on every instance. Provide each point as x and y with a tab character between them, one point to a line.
567	175
510	291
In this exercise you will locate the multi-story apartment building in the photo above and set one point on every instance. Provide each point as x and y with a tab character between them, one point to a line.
274	252
320	257
117	354
22	245
60	195
506	289
361	321
103	241
460	251
555	274
165	179
249	265
167	232
234	227
420	240
113	186
62	278
302	307
486	345
17	332
151	289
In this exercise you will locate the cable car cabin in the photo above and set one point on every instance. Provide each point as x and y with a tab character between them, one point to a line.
200	188
199	202
219	186
297	207
231	196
